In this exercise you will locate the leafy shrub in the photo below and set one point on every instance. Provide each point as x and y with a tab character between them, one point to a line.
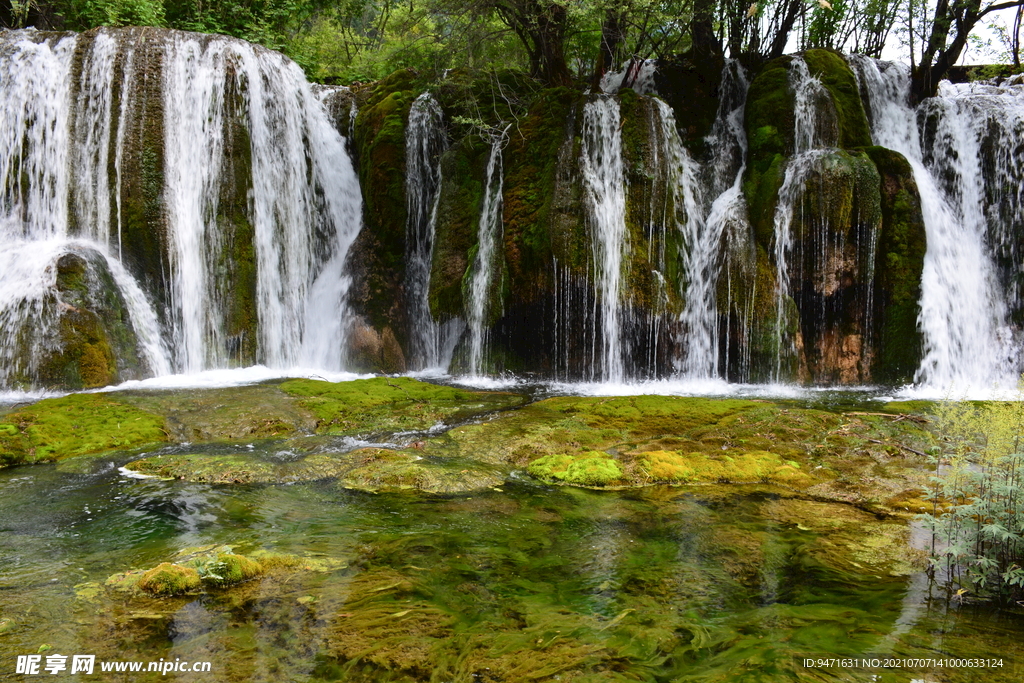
978	499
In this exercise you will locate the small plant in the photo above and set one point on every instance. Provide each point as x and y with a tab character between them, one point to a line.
977	520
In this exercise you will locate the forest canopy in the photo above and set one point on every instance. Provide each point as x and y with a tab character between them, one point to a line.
557	41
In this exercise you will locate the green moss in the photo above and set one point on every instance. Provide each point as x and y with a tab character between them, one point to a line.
382	470
591	468
644	440
835	74
79	424
244	468
143	225
463	171
168	579
899	264
232	568
379	250
753	467
533	231
388	404
769	116
236	268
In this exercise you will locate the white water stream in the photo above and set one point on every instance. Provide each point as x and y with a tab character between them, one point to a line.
60	187
489	234
963	309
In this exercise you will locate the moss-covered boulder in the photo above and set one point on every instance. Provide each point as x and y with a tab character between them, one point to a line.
211	567
57	428
463	172
898	266
377	259
390	404
77	333
832	70
166	579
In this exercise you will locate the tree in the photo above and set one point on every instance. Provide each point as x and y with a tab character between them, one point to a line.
951	27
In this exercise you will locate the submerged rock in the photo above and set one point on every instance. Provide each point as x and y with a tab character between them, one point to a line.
198	569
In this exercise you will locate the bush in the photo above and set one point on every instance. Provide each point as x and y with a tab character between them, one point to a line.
978	499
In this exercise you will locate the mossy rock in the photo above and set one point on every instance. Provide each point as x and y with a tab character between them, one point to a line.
79	424
194	570
242	468
166	579
591	468
463	173
385	404
753	467
230	568
899	262
638	441
835	74
80	335
769	116
377	257
258	411
382	470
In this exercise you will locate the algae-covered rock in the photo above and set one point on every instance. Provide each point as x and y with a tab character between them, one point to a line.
241	468
168	579
381	470
644	440
211	567
591	468
383	404
78	424
832	70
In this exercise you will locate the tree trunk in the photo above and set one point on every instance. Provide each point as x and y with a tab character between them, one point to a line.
702	31
612	36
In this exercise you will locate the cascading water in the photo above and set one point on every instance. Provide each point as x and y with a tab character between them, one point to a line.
231	111
963	310
704	238
488	236
604	181
798	170
36	163
425	141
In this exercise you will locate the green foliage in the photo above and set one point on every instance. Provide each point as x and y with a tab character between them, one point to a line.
978	498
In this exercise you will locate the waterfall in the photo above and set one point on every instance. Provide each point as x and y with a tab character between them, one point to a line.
704	237
604	181
249	163
808	94
54	155
791	193
425	141
963	310
488	235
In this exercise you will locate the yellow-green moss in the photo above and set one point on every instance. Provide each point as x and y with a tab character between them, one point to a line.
753	467
591	468
166	579
79	424
231	568
388	404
